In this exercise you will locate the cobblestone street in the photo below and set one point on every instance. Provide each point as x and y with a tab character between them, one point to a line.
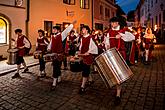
144	91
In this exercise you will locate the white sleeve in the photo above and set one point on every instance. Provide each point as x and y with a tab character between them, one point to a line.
92	47
80	45
26	42
127	37
46	42
50	44
64	34
106	41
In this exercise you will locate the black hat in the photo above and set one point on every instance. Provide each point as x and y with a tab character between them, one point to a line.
57	27
114	19
18	30
40	30
87	28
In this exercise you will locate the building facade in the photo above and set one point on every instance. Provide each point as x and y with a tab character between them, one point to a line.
103	11
31	15
12	16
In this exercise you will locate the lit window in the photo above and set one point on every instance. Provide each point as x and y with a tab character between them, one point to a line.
3	31
70	2
84	4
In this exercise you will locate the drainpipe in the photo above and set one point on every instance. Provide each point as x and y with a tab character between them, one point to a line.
27	17
92	14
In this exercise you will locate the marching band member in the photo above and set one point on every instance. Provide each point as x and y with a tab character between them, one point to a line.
113	39
86	49
148	44
56	46
21	42
71	39
41	45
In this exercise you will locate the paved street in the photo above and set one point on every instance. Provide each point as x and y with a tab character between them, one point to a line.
144	91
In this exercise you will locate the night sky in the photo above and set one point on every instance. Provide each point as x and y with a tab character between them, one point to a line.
127	5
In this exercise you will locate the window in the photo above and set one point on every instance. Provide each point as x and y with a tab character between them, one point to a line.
159	19
156	1
48	28
3	31
84	4
99	26
164	16
156	20
107	12
101	9
70	2
151	3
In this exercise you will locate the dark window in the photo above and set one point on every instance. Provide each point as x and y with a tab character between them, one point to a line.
152	23
156	1
84	4
98	26
164	16
160	19
107	12
48	28
156	20
69	2
101	9
151	3
3	31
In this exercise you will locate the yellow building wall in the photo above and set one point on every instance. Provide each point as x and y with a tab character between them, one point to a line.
55	10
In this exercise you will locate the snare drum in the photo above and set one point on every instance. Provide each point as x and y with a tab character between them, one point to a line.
13	54
75	65
50	57
37	54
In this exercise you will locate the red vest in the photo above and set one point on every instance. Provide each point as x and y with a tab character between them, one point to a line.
42	48
20	43
84	48
72	38
57	44
118	43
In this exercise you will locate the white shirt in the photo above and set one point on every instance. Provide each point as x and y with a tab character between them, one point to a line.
92	46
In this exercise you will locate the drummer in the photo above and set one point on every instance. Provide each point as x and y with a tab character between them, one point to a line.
21	42
41	45
114	40
56	46
86	49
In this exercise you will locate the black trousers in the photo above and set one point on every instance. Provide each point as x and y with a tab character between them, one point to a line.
65	61
57	68
42	64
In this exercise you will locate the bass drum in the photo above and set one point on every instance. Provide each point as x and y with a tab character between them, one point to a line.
112	67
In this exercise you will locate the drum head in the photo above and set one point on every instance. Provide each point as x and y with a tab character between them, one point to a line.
12	50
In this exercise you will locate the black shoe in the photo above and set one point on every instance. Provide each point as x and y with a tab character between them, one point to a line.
16	76
81	91
25	70
53	88
117	100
